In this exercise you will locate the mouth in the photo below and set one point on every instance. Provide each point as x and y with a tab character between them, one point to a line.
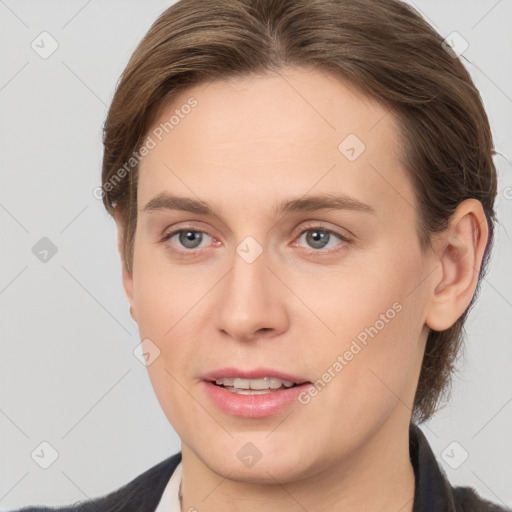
253	393
260	386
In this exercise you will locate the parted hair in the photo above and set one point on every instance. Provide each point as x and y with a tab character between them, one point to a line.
384	49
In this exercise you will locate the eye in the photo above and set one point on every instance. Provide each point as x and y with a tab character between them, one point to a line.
187	238
321	238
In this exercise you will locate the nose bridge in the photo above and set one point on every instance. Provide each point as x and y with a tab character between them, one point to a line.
251	300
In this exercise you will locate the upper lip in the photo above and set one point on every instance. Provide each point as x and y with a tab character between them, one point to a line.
251	373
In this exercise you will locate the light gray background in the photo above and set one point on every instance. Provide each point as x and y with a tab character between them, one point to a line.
68	375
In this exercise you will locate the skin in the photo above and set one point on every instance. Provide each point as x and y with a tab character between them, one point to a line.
249	144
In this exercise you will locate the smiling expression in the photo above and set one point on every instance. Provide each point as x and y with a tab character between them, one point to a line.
276	224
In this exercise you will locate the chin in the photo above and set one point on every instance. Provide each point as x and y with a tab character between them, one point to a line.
269	473
254	460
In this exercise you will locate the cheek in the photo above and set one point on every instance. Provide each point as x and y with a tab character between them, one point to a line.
162	293
376	320
167	299
354	303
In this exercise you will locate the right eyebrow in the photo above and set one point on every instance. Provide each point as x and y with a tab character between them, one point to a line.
165	201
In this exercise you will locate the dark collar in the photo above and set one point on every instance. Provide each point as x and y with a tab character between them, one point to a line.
433	492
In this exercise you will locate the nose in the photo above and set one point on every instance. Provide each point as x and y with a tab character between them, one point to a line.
251	301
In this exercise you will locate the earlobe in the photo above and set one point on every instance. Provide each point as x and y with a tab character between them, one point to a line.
459	254
127	276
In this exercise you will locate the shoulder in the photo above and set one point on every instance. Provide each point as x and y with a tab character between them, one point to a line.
141	494
468	500
433	490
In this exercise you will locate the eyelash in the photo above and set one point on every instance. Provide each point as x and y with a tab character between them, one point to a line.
313	252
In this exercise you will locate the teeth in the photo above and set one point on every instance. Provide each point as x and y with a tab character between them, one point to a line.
257	384
224	382
242	384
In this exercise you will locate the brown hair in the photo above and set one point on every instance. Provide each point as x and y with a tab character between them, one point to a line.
385	49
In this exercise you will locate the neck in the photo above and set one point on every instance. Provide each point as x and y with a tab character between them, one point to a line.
378	476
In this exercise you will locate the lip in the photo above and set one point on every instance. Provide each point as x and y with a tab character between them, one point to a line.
252	406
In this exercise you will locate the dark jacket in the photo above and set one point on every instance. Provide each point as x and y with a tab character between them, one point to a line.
433	493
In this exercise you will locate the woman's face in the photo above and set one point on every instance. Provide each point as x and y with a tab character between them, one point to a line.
291	255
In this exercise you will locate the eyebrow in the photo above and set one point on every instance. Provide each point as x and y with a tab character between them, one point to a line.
166	201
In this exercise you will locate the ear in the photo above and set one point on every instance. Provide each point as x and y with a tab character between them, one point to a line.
459	253
126	273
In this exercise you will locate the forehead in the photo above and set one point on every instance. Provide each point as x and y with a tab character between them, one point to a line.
283	132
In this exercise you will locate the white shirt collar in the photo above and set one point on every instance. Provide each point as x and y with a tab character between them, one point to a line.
170	502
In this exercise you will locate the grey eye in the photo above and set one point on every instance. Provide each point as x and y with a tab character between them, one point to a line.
190	239
317	239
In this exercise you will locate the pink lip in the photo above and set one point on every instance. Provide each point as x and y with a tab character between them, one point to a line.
252	406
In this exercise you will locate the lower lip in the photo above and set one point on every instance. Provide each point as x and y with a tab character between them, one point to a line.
253	406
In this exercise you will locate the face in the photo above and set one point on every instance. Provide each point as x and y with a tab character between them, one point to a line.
276	241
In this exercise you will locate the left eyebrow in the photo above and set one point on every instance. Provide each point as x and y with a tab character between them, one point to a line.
324	202
165	201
